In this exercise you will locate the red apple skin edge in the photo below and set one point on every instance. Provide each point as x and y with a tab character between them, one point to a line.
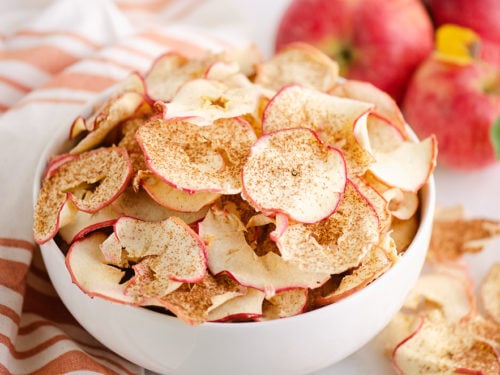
458	104
378	41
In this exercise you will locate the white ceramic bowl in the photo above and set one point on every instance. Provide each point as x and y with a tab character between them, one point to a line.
296	345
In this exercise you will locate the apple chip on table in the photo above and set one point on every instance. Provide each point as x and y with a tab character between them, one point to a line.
229	188
450	322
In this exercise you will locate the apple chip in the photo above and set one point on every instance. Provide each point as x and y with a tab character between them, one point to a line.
169	72
139	205
436	348
402	204
335	244
490	293
194	158
284	304
114	111
291	171
204	101
376	262
90	271
446	293
192	302
407	167
228	251
385	106
171	249
83	223
173	198
339	122
240	308
91	181
451	238
298	63
403	232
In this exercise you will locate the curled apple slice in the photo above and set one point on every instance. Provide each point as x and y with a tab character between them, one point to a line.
376	262
291	171
447	293
172	198
83	223
435	347
339	122
241	307
490	293
403	232
204	101
114	111
91	181
402	204
408	166
298	63
334	244
92	274
385	106
451	238
194	158
285	304
169	72
139	205
228	251
193	302
172	250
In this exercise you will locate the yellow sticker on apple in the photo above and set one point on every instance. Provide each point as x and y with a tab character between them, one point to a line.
457	44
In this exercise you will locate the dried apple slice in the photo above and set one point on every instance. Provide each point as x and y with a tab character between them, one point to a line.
338	121
91	181
490	292
172	250
284	304
193	302
115	110
291	171
451	238
402	204
403	232
376	262
385	106
83	223
242	307
139	205
90	272
298	63
228	251
194	158
446	292
408	166
173	198
170	71
334	244
203	101
436	348
383	136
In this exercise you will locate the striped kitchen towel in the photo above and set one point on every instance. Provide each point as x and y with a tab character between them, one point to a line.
56	55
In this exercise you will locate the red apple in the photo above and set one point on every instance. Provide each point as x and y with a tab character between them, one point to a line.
378	41
480	15
460	104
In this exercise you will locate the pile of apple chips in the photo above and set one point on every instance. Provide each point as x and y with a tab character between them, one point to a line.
450	322
233	188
